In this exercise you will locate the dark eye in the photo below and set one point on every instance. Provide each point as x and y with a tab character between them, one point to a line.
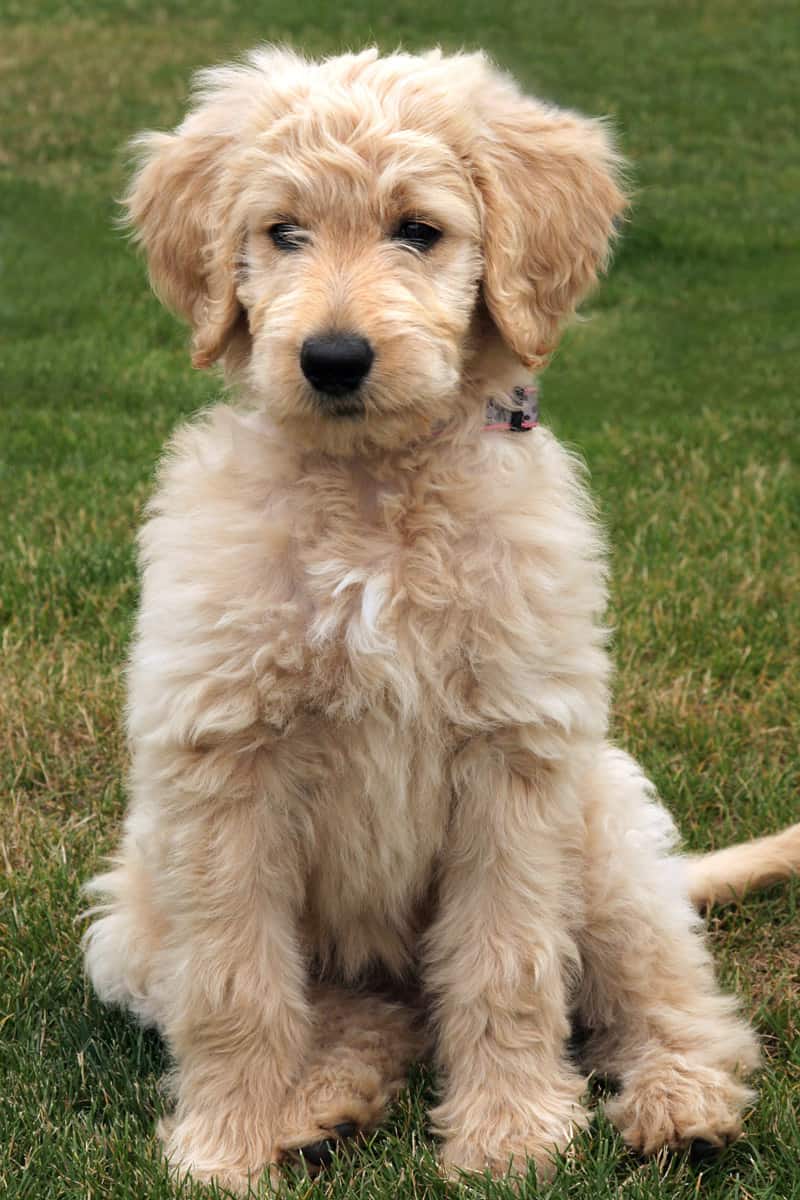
287	236
417	234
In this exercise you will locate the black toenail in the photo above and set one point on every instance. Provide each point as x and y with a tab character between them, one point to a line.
346	1129
701	1151
319	1154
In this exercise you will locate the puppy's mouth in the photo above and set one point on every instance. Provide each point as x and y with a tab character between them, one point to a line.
340	404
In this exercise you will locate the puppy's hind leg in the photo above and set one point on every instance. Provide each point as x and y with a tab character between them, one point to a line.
121	944
656	1018
362	1050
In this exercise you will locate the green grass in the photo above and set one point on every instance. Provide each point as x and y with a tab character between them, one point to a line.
681	392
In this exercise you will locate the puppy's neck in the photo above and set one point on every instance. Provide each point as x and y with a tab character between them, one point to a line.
492	371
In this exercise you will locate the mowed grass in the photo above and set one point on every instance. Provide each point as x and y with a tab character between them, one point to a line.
681	391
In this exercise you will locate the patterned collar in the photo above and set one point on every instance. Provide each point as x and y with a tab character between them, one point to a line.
520	414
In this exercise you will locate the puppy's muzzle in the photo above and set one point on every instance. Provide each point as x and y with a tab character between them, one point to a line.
335	364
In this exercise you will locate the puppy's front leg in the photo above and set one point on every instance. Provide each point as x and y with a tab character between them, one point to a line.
497	958
235	1012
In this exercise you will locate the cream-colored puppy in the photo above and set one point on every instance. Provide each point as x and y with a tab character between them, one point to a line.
369	685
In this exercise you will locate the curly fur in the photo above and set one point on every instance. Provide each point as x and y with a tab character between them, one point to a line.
368	691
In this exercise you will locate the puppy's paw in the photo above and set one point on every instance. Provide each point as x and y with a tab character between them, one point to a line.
679	1105
503	1158
508	1138
335	1103
232	1149
318	1153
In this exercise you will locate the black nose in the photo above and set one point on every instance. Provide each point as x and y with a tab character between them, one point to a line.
336	362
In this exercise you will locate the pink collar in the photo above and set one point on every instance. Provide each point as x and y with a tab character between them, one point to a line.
517	416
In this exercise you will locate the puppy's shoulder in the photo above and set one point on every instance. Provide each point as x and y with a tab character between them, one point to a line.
221	472
223	454
540	495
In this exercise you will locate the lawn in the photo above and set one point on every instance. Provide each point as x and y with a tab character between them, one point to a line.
680	391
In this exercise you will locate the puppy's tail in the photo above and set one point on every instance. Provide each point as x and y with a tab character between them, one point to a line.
725	875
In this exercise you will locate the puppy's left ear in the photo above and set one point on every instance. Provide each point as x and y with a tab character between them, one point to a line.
551	183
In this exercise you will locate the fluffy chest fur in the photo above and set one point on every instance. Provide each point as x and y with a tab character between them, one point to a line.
357	625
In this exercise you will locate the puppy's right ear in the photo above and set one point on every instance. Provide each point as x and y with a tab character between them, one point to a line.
182	200
173	205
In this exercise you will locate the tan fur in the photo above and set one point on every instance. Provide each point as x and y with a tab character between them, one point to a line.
729	874
363	1049
368	692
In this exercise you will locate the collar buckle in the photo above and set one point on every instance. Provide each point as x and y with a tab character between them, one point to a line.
520	416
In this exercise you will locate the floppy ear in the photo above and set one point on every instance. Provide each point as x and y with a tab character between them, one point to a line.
552	193
182	200
172	205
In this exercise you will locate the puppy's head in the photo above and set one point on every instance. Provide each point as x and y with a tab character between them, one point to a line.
344	234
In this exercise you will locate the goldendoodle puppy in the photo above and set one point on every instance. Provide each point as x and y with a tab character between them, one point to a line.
369	685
